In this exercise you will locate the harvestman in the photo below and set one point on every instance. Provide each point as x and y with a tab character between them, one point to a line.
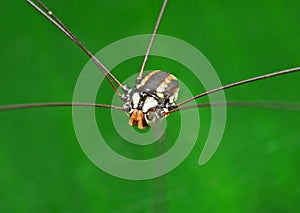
154	94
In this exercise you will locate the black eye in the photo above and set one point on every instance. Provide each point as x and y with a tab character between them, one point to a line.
143	95
150	115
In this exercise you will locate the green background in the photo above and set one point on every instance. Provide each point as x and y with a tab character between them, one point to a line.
256	167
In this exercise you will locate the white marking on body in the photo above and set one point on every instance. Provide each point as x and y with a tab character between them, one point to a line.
160	95
149	103
161	87
135	100
171	99
175	95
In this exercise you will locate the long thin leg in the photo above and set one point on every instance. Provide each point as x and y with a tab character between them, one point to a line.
59	104
254	104
282	72
41	8
152	38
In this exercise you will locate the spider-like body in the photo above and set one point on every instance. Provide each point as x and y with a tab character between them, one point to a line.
152	96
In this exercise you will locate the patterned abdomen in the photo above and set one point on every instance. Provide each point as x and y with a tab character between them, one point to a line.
159	83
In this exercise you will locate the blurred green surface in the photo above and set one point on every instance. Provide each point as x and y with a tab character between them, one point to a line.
256	168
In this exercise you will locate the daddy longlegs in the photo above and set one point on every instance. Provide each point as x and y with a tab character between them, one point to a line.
59	159
154	95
